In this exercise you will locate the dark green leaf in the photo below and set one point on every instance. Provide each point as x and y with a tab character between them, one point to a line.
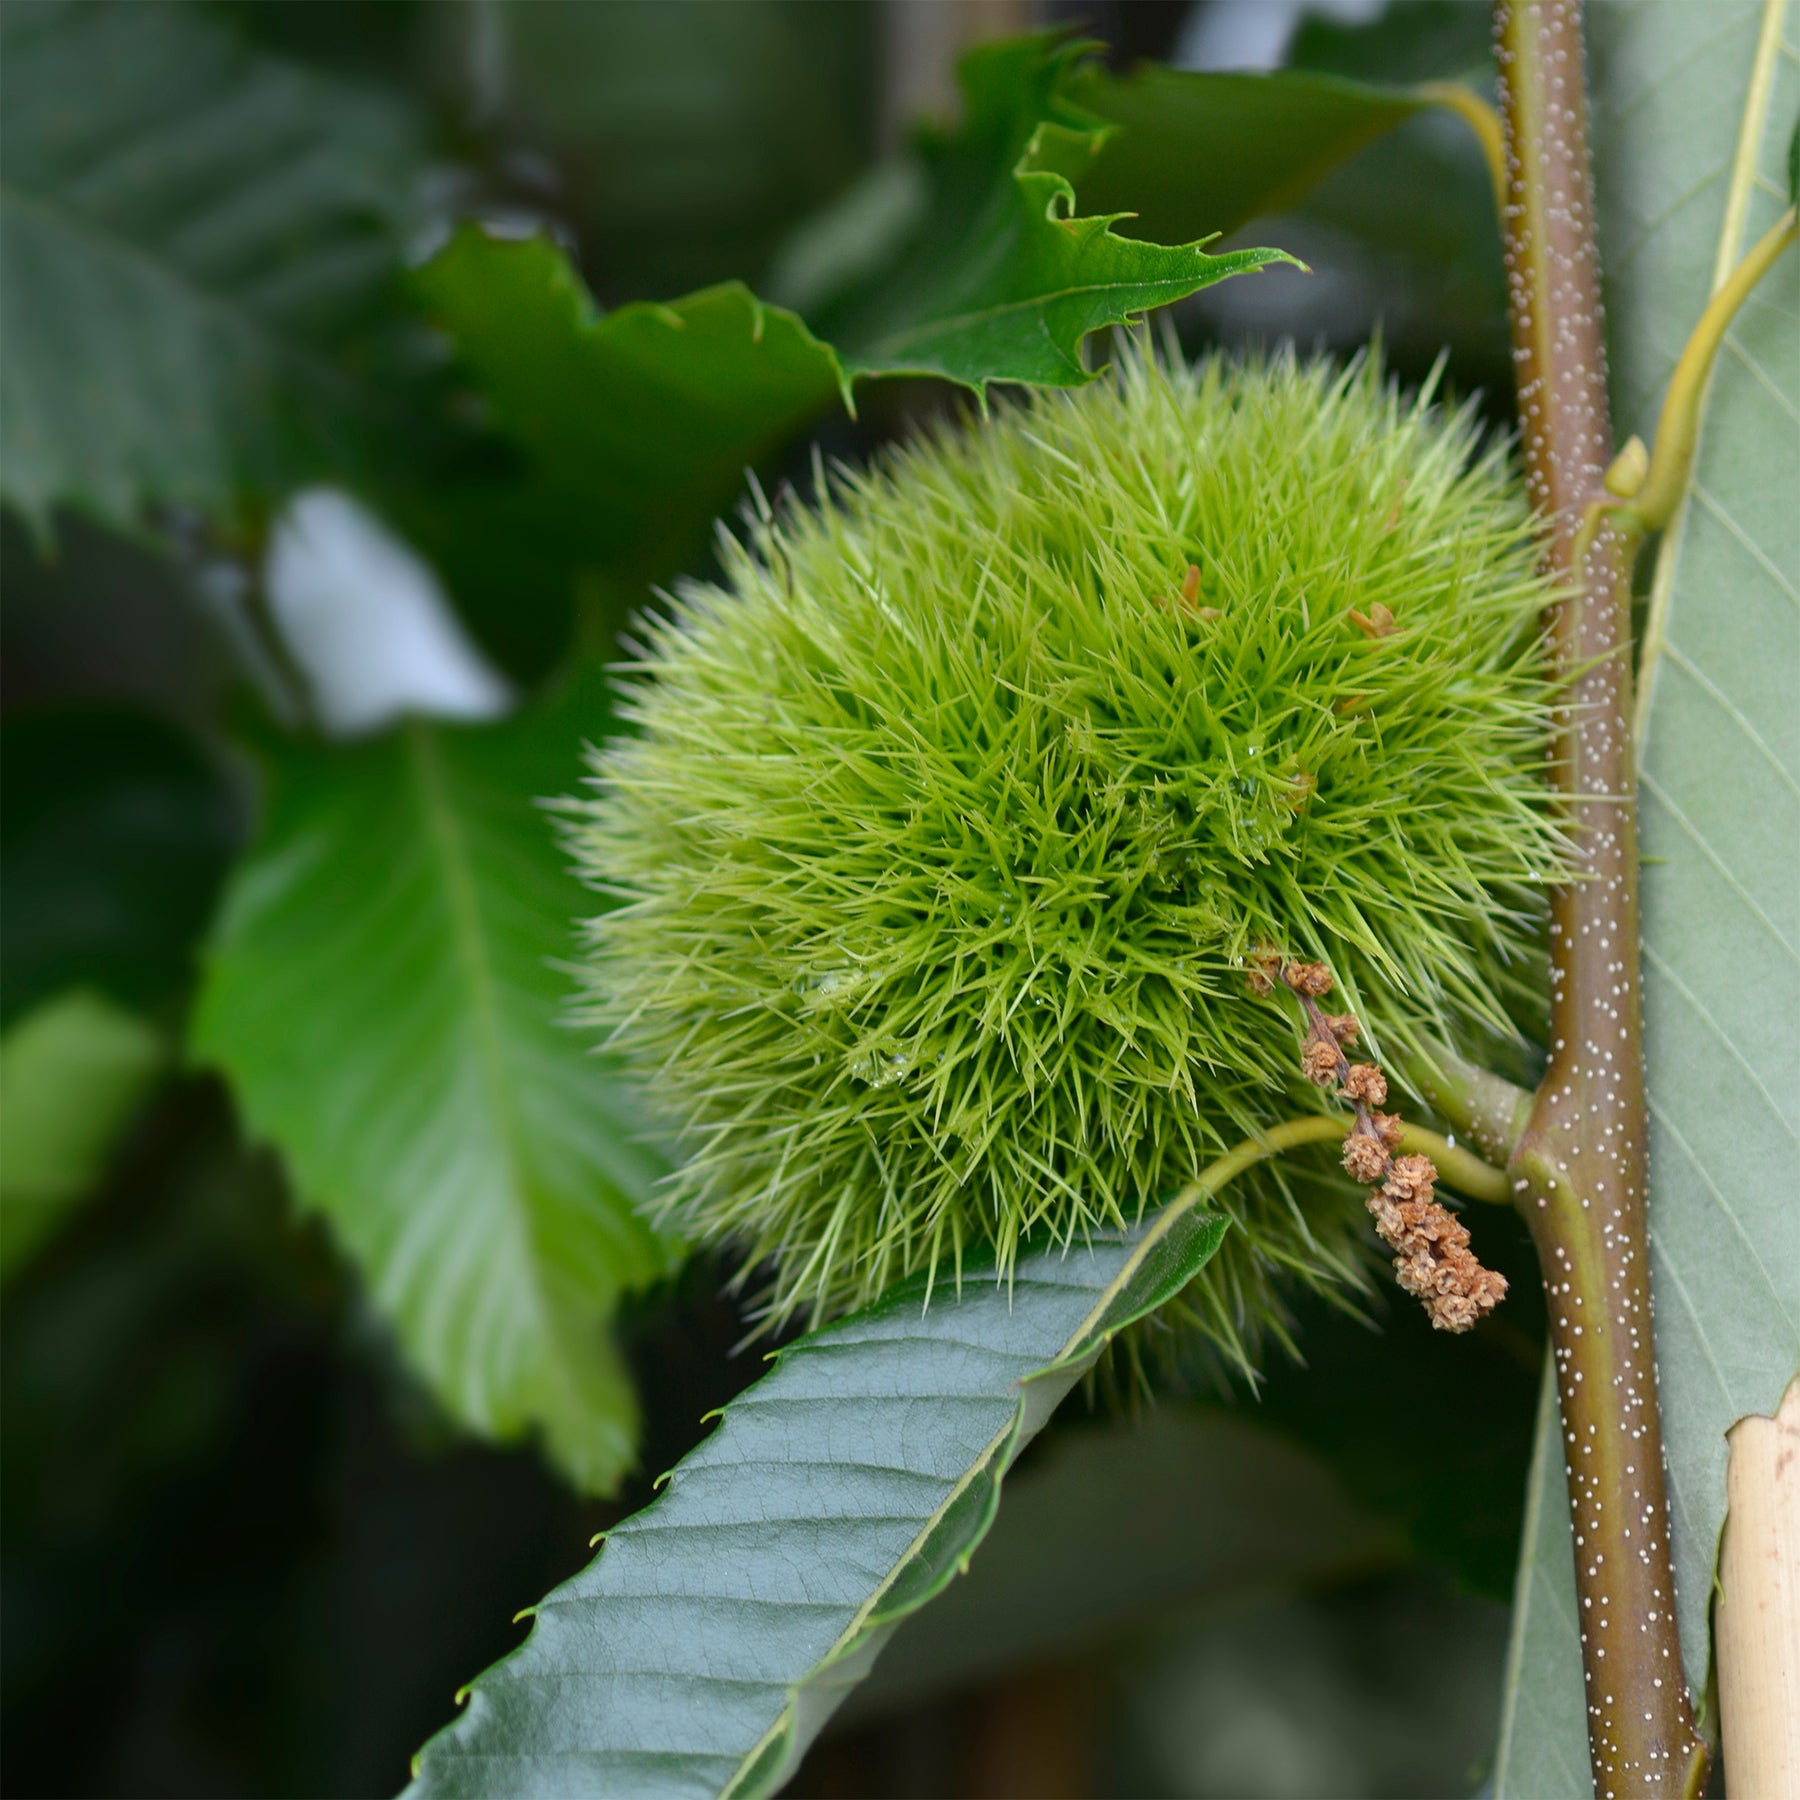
381	991
1003	282
1196	154
1389	196
72	1074
1175	155
719	1628
645	418
194	242
115	833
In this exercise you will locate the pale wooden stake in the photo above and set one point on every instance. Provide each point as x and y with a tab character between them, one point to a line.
1758	1618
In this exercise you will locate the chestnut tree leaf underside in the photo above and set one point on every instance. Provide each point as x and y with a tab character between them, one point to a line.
719	1628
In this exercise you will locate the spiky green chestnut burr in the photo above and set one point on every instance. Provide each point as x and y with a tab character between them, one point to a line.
952	814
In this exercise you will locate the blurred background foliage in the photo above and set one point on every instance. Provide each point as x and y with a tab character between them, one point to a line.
261	939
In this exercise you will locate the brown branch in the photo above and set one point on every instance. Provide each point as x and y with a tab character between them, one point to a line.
1579	1165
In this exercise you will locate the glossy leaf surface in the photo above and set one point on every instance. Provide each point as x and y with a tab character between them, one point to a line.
380	989
646	417
1008	274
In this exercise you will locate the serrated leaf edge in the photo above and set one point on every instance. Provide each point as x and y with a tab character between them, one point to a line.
1059	203
775	1756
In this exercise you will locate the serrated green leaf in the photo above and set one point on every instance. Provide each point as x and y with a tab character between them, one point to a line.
1182	155
190	237
380	991
1720	804
645	417
72	1074
716	1632
1003	281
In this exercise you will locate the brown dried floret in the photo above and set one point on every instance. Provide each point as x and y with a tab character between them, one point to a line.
1320	1061
1264	966
1410	1178
1432	1259
1365	1156
1477	1294
1311	979
1377	622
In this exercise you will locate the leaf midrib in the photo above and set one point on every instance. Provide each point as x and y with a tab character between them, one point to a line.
464	906
1103	1299
953	322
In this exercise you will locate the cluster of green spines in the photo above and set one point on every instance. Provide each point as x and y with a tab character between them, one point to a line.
950	817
